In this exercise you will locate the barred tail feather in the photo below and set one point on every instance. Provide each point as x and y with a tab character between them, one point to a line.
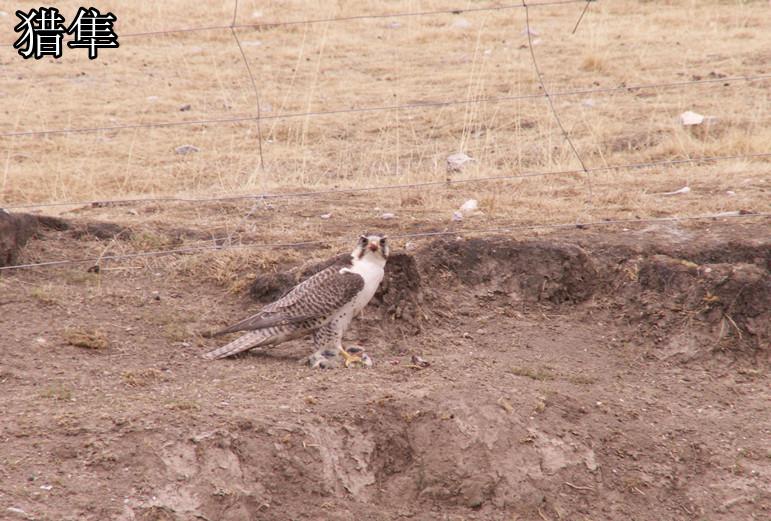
243	343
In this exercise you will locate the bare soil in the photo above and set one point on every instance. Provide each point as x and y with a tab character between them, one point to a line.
591	375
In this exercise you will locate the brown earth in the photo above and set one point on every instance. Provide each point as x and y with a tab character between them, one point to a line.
592	375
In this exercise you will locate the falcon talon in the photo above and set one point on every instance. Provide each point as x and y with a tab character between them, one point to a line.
364	361
322	305
349	358
355	355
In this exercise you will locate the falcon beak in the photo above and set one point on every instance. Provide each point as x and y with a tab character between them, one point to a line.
373	246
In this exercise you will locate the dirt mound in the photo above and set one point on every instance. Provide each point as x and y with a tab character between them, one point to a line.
688	306
17	228
534	271
443	453
15	231
531	271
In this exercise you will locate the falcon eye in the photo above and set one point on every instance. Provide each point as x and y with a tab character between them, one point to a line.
382	241
363	239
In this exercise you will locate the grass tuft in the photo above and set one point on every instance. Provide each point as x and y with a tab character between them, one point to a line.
87	338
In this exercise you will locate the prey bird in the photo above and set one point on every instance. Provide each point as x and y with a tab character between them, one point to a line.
322	305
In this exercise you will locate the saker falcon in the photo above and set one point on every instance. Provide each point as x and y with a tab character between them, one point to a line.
322	305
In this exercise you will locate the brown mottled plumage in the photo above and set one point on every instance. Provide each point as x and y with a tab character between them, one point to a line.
323	305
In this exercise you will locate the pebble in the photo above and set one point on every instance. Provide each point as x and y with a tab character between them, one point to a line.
469	206
456	161
186	149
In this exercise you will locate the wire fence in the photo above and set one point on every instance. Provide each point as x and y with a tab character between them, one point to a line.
225	243
285	23
423	105
398	186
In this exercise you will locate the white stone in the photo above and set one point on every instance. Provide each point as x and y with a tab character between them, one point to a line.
690	118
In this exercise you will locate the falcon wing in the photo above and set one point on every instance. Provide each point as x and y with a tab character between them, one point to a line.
317	297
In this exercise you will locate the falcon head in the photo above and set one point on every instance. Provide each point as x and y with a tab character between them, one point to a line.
372	245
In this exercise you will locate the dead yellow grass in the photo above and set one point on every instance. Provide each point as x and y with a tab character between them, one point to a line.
335	66
88	338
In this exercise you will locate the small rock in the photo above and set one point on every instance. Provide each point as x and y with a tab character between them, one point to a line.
186	149
252	43
689	118
185	107
3	13
394	25
530	30
388	216
457	216
325	215
461	23
419	362
456	161
40	340
256	14
589	102
730	193
46	487
152	98
469	206
683	190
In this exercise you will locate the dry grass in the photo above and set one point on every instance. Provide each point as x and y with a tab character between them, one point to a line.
540	374
87	338
143	378
322	67
45	294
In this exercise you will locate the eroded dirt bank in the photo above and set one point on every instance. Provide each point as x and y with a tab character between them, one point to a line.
591	376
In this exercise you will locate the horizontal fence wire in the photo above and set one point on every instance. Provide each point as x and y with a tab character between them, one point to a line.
415	235
267	25
405	106
400	186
